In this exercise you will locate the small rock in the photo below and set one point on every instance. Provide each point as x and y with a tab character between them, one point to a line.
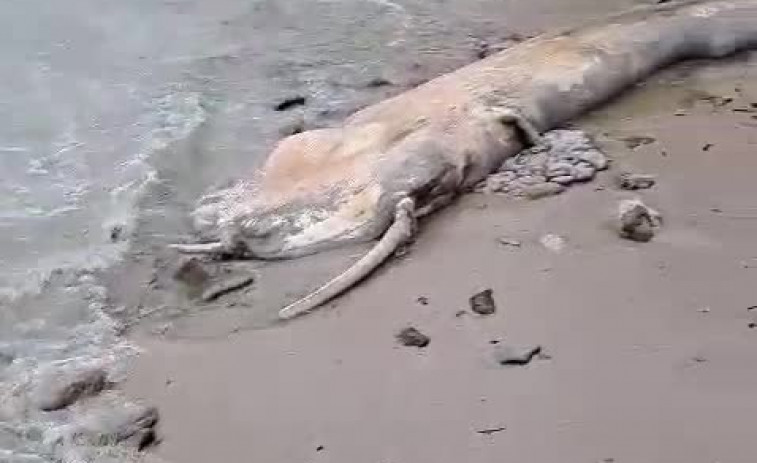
707	147
132	424
483	303
481	49
632	181
59	389
513	355
422	300
289	103
637	221
636	227
554	243
411	337
490	431
718	101
378	82
542	190
636	141
508	242
192	272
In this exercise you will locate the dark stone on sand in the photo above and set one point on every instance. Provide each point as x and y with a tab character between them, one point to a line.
636	225
116	233
717	101
377	82
634	142
192	272
514	355
632	181
290	102
490	431
60	389
422	300
509	242
483	303
482	49
411	337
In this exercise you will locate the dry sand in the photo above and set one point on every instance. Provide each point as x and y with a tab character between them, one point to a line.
652	356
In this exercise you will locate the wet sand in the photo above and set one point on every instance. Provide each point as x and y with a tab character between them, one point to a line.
650	354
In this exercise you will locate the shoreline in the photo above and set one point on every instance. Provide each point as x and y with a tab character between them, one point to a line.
649	346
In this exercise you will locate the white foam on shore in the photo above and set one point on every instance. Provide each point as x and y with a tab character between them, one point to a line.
66	282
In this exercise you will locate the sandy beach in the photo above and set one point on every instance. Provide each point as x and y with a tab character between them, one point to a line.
649	354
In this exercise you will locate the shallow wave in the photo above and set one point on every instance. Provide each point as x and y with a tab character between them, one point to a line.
52	312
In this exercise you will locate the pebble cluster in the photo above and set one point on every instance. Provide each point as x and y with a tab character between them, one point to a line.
562	158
